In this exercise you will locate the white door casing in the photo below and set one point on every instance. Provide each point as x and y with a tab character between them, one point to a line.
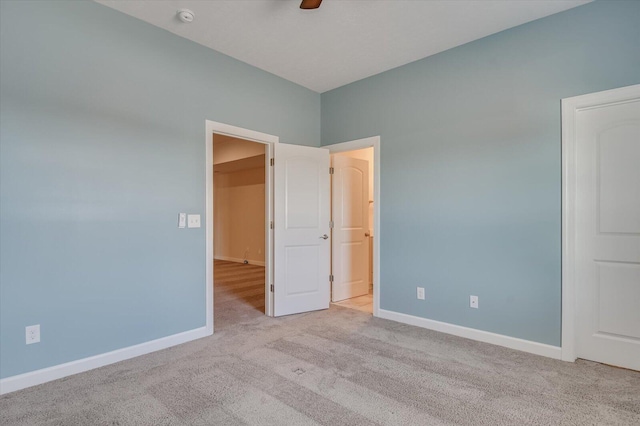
212	127
301	221
350	233
605	246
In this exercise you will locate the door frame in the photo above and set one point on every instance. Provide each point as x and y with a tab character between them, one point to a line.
570	106
211	128
370	142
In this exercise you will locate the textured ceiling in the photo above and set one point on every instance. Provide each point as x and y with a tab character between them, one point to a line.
344	40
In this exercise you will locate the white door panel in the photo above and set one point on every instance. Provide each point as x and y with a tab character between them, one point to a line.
301	213
608	233
619	310
618	168
350	241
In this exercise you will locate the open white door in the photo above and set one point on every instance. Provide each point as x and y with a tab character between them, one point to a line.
350	237
301	229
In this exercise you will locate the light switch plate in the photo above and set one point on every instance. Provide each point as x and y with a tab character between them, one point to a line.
182	220
193	221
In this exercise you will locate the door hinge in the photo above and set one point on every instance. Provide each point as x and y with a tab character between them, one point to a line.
271	288
331	170
331	278
271	225
272	162
330	224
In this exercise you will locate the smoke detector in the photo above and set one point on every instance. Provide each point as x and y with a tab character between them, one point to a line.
185	15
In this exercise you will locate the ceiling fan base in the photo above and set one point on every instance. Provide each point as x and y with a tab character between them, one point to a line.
310	4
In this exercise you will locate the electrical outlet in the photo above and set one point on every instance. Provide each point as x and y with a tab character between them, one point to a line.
473	302
420	293
32	334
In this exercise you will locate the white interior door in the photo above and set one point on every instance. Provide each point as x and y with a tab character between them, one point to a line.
608	232
301	229
350	234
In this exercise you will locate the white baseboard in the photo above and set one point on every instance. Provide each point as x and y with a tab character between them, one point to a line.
32	378
238	260
474	334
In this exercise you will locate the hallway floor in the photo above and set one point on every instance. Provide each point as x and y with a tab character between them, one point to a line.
360	303
238	292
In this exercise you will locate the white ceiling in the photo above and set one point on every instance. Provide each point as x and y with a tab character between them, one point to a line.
344	40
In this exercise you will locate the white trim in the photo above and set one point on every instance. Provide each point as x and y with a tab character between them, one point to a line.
212	127
369	142
33	378
269	233
239	132
568	229
569	108
238	260
529	346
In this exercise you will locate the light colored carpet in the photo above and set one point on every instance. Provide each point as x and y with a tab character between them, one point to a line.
334	367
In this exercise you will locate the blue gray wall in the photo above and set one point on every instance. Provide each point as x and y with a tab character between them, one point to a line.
471	188
102	144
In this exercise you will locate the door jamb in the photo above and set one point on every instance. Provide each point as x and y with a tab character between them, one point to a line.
371	142
569	170
212	127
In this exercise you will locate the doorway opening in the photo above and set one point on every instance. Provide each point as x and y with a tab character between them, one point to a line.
240	185
353	219
238	150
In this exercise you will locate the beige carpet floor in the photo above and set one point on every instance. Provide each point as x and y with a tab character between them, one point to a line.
334	367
